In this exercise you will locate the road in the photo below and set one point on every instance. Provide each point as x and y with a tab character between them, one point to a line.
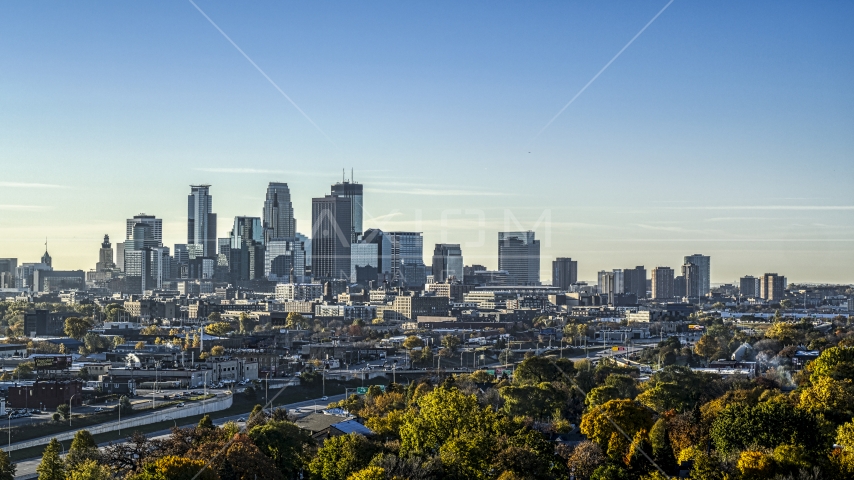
27	468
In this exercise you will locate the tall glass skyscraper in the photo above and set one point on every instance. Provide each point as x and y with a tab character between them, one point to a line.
201	221
331	225
353	191
278	215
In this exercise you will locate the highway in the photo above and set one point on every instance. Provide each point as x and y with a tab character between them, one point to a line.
27	468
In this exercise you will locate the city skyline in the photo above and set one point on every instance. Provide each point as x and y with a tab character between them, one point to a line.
703	136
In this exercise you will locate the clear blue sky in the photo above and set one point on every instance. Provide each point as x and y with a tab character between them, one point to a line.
726	128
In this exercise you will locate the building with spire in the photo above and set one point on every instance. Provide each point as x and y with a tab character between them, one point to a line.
105	256
46	257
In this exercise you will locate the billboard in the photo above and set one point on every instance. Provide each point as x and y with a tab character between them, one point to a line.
54	362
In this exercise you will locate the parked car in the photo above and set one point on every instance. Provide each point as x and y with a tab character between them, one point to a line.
179	405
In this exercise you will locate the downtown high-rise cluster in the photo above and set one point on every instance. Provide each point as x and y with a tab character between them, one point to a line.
339	249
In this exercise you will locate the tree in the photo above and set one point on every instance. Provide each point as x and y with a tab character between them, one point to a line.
412	342
296	321
341	457
76	327
662	449
64	409
218	351
543	369
140	345
51	466
214	317
834	362
707	346
829	397
784	332
125	405
536	401
171	467
285	443
244	461
152	330
369	473
585	458
610	472
451	342
89	470
246	323
767	425
601	422
219	329
206	422
83	448
23	370
7	468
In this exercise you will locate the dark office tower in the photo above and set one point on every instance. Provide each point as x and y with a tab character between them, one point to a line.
693	280
447	262
105	256
772	287
7	272
353	191
748	287
201	222
703	263
246	260
662	283
155	223
519	256
331	226
278	212
564	272
383	242
634	281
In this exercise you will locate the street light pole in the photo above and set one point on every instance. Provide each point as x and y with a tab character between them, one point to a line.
69	408
266	388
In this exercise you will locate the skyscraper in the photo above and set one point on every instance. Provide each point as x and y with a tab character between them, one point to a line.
564	272
383	243
634	281
201	222
693	279
773	287
284	260
662	283
608	285
105	256
519	256
155	223
247	256
407	259
7	272
703	263
279	219
447	262
748	287
353	191
364	261
331	226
